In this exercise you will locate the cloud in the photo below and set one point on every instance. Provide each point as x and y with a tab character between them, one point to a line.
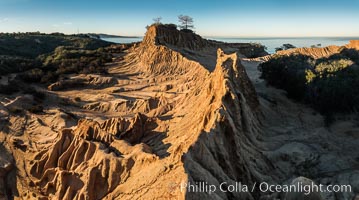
4	20
67	23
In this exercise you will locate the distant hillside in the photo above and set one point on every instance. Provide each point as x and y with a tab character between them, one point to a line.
22	51
31	45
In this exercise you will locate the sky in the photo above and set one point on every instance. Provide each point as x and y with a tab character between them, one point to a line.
216	18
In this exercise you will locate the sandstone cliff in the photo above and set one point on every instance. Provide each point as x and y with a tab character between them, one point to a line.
313	52
320	52
353	44
175	109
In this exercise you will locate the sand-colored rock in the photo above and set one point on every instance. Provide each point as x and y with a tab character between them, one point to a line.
175	109
81	81
313	52
151	127
353	44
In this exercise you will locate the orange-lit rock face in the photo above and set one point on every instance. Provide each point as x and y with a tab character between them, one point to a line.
174	109
320	52
353	44
136	131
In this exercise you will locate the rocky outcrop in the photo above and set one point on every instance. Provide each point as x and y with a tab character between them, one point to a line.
74	167
313	52
249	50
168	35
176	109
130	130
66	84
317	53
171	120
82	159
218	122
82	81
353	44
226	150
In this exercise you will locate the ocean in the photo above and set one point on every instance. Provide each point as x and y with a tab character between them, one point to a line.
119	40
270	42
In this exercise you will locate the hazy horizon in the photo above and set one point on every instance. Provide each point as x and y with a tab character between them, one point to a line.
226	18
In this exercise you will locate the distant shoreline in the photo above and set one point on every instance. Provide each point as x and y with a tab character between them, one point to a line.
102	35
122	39
271	43
117	36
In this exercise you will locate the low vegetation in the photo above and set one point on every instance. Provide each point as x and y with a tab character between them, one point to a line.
330	85
68	60
65	60
46	57
12	64
31	45
285	47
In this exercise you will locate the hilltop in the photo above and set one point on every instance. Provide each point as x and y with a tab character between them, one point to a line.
31	45
23	51
144	118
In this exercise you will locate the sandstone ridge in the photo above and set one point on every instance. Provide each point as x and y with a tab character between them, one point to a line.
174	104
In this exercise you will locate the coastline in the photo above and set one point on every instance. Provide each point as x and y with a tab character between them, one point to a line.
270	42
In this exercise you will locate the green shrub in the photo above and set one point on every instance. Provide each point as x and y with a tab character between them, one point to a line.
351	54
49	77
288	73
33	75
336	91
330	85
285	47
12	64
20	52
68	60
35	44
